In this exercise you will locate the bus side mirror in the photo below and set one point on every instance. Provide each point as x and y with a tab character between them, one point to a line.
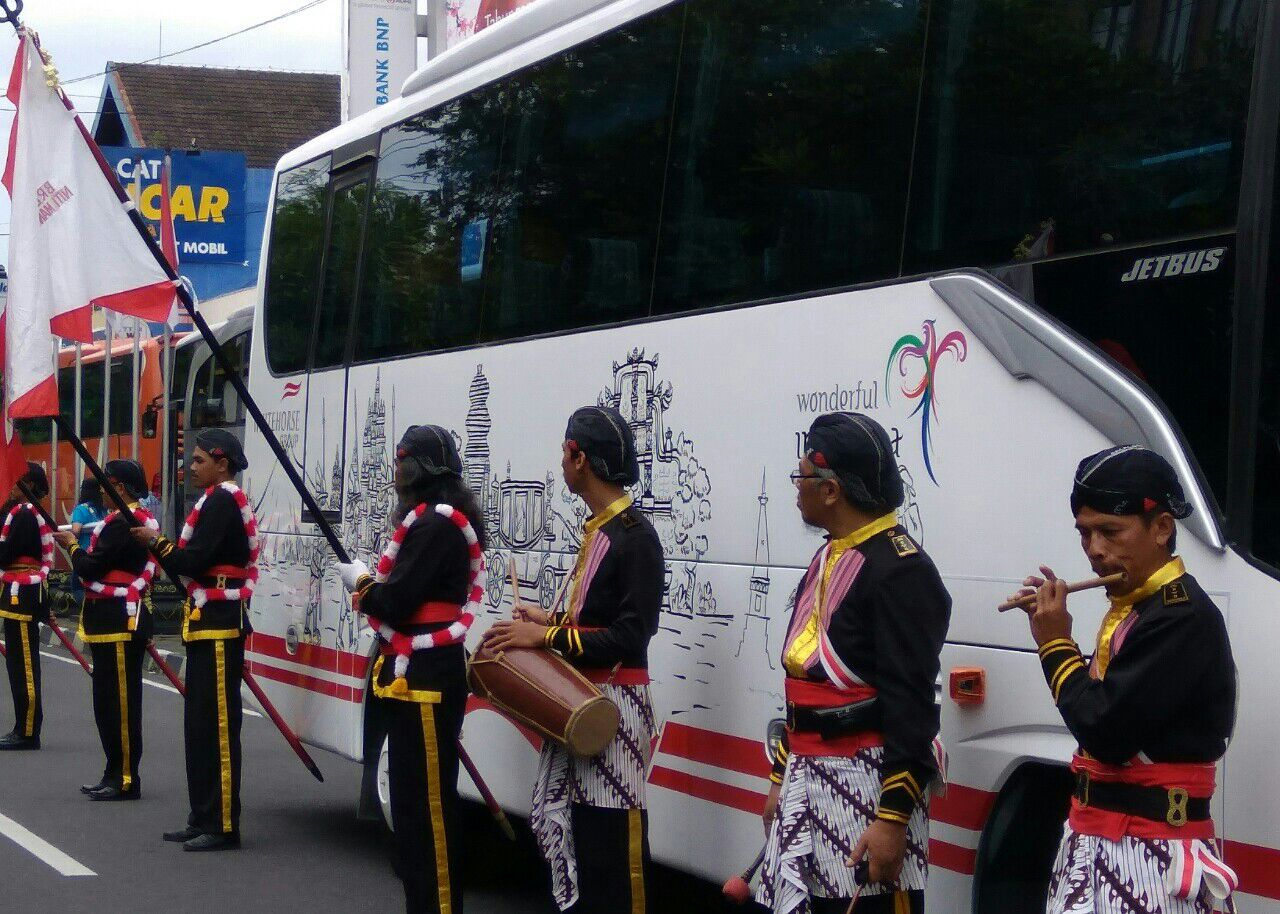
150	421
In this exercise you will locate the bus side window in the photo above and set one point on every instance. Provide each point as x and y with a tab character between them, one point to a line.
297	232
790	151
581	188
216	401
430	230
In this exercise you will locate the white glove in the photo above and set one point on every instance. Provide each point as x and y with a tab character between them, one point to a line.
351	573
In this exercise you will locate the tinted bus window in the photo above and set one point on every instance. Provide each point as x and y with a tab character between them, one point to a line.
1055	127
297	232
429	230
341	260
790	156
581	189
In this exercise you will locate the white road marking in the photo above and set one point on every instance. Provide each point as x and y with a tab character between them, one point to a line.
41	849
145	681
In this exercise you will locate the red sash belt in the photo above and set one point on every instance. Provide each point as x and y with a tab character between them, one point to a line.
625	676
237	572
434	611
23	563
1188	779
116	578
809	693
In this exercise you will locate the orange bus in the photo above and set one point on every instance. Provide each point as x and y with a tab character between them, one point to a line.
127	415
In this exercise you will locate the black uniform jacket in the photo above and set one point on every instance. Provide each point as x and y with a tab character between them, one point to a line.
218	539
104	620
621	606
889	630
23	542
1169	692
433	565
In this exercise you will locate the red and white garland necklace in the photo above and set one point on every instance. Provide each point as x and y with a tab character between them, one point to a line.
133	591
403	646
16	579
201	595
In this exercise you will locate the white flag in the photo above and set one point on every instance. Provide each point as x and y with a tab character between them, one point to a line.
72	243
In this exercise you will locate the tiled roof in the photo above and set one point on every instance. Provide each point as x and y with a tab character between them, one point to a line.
263	113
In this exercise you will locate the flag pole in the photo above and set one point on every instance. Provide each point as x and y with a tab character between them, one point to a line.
137	330
79	413
132	519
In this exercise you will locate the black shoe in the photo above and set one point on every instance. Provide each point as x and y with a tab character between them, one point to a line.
14	742
92	788
111	792
212	843
183	835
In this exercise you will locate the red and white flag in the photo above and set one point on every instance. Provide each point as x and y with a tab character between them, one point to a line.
72	242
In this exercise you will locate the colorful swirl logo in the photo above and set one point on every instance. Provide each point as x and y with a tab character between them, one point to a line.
929	350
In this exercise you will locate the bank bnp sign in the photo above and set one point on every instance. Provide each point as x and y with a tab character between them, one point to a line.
208	198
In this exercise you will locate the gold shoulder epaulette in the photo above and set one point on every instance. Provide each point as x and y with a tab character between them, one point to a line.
903	544
1175	592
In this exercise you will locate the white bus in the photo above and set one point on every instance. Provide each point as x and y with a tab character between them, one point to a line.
1012	231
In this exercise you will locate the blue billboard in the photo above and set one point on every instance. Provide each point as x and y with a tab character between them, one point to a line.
208	198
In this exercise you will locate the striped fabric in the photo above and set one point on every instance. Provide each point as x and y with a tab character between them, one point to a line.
614	779
1094	875
845	572
592	555
824	807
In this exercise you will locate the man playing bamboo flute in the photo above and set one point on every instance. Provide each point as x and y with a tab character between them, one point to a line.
216	555
589	814
851	780
115	621
1152	710
26	555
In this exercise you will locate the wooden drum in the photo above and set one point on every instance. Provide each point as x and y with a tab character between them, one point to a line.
541	690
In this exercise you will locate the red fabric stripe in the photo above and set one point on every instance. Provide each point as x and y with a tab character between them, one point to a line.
1258	868
810	693
310	683
952	857
14	94
711	791
324	658
74	325
964	807
41	400
733	753
151	303
168	240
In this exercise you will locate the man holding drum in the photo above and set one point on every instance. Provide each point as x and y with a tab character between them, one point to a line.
589	814
421	601
1152	710
861	658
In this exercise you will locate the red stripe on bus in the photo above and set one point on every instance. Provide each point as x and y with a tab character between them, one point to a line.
322	658
732	753
705	789
965	807
310	683
952	857
1258	868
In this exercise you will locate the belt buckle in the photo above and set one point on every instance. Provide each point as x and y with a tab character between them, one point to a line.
1176	815
220	582
1082	787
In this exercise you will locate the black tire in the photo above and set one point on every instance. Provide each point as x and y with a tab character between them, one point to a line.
1020	841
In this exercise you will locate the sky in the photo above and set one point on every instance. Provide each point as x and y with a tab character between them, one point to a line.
82	35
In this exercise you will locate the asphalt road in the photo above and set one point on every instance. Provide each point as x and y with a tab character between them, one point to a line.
302	847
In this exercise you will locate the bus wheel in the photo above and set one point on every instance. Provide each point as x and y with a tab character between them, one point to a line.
1020	841
384	783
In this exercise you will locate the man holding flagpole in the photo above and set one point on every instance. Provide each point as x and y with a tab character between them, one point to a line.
26	555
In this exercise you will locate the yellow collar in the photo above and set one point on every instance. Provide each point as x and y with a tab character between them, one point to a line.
597	521
1167	574
863	533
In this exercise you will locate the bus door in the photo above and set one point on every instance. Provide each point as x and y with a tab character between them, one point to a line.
212	402
328	635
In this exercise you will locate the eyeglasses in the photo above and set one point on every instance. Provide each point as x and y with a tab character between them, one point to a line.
796	477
